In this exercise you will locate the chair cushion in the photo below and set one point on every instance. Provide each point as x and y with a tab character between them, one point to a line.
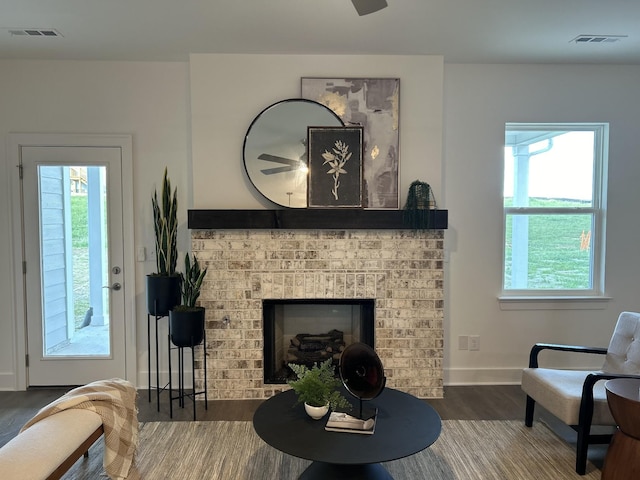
560	392
35	453
623	353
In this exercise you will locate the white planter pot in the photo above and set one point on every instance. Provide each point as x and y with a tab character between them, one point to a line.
316	412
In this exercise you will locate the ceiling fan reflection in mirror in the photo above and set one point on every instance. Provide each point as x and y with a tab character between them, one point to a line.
365	7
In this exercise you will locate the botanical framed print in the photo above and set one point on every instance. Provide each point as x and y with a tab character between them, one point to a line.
335	166
374	104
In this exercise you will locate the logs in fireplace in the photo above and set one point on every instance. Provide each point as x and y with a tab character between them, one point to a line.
309	349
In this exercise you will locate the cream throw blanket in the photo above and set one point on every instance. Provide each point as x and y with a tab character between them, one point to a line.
115	401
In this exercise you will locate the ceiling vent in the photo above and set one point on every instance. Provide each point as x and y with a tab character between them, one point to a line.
598	38
35	32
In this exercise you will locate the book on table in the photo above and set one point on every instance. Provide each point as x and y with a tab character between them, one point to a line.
343	422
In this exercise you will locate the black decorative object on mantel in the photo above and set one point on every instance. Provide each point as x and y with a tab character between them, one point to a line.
420	202
312	219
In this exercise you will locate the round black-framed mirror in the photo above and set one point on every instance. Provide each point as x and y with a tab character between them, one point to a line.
275	148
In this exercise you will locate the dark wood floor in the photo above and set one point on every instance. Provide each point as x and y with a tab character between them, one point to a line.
463	403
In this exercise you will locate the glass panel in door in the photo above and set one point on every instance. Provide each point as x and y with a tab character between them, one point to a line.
74	258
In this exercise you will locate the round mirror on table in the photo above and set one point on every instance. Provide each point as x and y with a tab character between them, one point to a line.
275	149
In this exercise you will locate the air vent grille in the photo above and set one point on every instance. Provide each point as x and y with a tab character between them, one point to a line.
598	38
35	32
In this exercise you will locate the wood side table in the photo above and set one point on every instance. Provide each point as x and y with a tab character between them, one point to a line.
622	461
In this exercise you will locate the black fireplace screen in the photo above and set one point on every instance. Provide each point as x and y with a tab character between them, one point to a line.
310	331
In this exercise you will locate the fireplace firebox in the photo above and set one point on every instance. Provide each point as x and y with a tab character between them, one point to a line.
307	331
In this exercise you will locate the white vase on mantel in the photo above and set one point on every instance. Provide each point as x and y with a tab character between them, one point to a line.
316	412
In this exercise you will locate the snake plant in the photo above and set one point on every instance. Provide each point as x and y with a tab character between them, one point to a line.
165	218
191	282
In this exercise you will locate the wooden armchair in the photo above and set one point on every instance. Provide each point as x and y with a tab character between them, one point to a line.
576	397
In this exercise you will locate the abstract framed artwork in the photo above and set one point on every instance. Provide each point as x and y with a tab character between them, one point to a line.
335	166
374	104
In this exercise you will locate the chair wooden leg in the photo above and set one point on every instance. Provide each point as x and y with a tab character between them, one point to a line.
528	416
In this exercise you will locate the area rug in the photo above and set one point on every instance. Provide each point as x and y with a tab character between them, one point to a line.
466	450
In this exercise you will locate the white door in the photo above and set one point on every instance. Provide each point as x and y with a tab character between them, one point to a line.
72	201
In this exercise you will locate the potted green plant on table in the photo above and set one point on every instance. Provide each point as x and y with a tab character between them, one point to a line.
186	319
317	387
163	287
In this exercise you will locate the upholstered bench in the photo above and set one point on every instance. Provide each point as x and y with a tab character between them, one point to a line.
50	447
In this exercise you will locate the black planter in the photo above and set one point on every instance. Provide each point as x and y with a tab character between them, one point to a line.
163	293
187	327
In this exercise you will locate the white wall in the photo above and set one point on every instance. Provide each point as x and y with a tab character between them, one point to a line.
146	100
479	99
228	91
151	102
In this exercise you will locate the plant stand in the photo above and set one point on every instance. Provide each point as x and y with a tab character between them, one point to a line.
181	390
157	387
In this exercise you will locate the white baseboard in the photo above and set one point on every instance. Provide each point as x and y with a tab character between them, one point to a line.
482	376
8	382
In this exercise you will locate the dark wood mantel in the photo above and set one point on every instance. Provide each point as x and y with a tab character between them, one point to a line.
311	218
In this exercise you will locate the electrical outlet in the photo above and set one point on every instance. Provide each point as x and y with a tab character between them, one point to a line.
474	342
463	342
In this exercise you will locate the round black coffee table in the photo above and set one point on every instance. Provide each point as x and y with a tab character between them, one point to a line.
405	425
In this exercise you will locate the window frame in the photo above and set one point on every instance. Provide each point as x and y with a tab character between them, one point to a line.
597	210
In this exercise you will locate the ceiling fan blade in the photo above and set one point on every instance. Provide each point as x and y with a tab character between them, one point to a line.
274	158
365	7
292	164
271	171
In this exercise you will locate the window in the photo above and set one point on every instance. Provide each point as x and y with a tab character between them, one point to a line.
554	209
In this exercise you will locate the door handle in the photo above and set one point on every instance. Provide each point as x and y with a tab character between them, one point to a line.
116	286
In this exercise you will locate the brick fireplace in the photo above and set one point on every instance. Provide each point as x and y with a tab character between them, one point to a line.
402	270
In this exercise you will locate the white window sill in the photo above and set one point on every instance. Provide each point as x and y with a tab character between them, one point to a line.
514	302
